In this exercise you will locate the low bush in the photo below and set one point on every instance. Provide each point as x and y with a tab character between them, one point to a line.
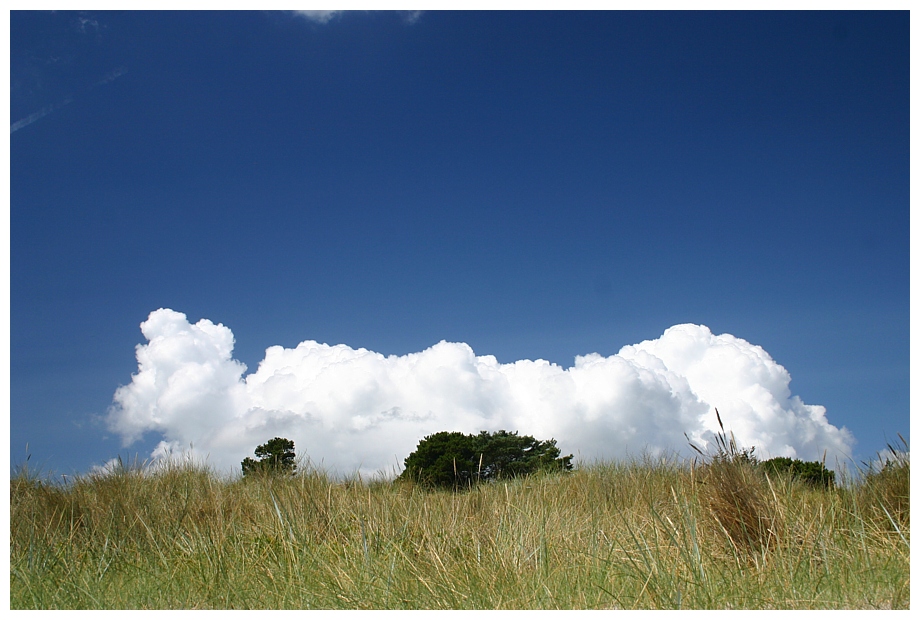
813	473
458	461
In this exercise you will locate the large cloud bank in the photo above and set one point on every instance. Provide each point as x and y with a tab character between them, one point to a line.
354	410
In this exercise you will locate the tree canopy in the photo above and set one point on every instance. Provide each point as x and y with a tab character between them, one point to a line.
810	472
275	456
453	459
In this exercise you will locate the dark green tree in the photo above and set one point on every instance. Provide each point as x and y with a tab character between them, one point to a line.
456	460
276	456
810	472
442	460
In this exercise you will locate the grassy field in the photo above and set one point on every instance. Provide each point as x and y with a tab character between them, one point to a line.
642	534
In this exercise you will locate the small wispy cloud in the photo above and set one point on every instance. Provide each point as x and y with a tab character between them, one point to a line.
324	17
412	17
45	111
84	22
111	76
320	17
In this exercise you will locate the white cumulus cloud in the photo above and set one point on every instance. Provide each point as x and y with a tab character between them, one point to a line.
356	410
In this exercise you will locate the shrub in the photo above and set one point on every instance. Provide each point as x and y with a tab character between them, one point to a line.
453	459
813	473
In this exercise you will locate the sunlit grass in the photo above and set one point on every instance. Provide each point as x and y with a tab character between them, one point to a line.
640	534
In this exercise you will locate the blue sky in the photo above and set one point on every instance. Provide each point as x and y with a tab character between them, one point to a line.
538	185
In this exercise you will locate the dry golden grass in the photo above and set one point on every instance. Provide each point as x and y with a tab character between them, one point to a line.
641	534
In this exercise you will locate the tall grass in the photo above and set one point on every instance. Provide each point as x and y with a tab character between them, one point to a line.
639	534
886	488
738	499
